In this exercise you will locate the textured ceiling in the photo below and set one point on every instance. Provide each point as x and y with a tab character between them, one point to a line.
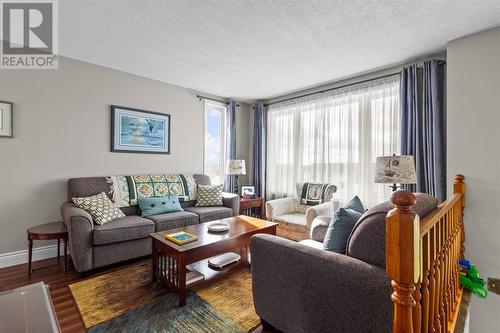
251	50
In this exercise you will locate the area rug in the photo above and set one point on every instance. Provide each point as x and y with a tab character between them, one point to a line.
127	301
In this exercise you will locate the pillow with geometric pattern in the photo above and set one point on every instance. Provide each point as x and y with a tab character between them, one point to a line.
99	207
209	196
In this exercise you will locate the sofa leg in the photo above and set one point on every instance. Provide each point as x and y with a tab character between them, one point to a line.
265	325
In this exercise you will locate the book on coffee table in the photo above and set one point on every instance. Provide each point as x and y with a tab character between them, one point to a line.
192	275
181	237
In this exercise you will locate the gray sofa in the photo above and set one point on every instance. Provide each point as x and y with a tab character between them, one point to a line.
92	246
301	288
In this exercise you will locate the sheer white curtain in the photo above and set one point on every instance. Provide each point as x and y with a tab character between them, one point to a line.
334	137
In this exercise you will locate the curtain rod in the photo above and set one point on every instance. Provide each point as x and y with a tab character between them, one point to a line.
342	86
333	88
200	97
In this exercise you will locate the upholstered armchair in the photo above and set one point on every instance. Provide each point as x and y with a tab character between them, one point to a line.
296	214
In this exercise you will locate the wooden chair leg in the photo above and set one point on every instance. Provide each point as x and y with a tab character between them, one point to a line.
65	255
30	255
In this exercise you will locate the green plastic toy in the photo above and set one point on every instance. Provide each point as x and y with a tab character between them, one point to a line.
469	278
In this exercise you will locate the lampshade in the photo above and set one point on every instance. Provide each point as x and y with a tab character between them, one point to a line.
236	167
395	169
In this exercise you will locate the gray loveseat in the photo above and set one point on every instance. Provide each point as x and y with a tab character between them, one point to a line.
94	246
304	289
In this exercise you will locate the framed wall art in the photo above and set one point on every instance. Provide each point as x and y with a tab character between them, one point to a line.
6	119
139	131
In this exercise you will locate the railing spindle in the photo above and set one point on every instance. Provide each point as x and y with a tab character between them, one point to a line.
425	282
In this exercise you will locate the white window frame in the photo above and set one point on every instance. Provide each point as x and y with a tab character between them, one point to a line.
223	109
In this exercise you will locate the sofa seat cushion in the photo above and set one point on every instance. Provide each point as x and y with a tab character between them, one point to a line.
124	229
207	214
173	220
291	218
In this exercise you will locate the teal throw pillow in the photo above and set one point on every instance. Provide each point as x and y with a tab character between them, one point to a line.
159	205
340	227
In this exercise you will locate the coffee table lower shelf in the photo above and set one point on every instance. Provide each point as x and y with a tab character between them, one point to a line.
178	283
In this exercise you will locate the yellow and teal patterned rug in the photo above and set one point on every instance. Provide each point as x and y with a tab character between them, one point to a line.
127	301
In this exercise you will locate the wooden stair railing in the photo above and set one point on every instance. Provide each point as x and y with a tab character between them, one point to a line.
422	261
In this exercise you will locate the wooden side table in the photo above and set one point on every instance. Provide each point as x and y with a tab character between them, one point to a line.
252	207
48	231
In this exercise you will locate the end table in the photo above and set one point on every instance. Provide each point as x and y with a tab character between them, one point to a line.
47	231
252	207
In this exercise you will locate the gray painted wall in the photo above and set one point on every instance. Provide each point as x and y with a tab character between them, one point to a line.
62	130
473	149
244	121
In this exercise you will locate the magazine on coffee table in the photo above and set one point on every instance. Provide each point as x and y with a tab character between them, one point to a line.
180	237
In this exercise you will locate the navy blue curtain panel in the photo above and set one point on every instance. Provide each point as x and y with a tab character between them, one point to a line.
423	126
230	183
259	149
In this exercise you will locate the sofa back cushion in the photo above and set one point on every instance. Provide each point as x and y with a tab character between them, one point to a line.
367	239
202	179
88	186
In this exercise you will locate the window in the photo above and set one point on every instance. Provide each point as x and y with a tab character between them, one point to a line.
214	141
334	137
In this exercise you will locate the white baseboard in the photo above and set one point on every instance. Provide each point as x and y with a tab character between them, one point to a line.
21	257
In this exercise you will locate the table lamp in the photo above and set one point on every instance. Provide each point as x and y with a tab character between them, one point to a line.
236	168
395	170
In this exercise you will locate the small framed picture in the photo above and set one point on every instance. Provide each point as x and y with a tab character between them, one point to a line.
247	190
6	119
139	131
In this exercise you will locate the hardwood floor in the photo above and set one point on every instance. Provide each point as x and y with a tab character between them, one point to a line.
58	281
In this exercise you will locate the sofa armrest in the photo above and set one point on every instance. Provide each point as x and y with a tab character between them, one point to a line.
319	227
325	291
278	207
231	200
80	235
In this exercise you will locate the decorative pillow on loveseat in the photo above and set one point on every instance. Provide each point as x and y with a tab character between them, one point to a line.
209	196
159	205
100	207
340	227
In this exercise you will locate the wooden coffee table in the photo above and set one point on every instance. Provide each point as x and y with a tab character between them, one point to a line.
168	254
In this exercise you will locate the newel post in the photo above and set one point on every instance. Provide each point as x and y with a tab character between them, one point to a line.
459	187
403	257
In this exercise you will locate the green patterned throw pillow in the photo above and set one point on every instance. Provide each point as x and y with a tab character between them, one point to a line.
209	195
313	194
99	207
